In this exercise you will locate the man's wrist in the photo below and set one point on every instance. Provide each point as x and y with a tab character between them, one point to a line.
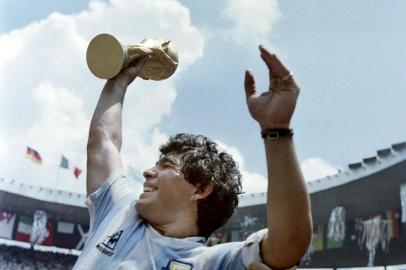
267	125
276	133
117	86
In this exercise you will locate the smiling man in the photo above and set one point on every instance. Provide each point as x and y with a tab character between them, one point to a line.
193	189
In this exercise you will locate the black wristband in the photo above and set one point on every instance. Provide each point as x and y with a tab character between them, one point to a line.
275	133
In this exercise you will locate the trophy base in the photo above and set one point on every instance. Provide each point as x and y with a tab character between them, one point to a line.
105	56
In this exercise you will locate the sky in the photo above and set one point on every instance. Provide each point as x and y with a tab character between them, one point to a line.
348	57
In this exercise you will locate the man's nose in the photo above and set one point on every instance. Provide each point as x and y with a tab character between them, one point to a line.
149	174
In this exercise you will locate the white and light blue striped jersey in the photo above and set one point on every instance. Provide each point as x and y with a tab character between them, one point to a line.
120	239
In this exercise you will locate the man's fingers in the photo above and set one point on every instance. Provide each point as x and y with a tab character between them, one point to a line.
249	84
276	68
266	60
134	68
138	64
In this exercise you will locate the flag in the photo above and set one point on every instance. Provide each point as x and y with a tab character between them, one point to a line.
7	221
77	172
392	216
33	155
403	202
65	235
336	228
64	162
69	235
65	227
354	233
334	243
359	229
42	229
24	228
317	239
49	240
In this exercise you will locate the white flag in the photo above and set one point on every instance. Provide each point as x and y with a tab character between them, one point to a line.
65	227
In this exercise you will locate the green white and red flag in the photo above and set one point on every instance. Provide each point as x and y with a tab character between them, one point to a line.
24	228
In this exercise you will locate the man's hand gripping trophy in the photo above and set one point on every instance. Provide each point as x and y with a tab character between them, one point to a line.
106	57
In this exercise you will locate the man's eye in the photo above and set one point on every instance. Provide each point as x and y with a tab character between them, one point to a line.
171	167
165	165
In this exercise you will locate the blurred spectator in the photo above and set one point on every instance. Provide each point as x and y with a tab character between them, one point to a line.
17	258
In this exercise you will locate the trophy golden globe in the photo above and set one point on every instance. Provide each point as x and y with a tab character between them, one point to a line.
106	57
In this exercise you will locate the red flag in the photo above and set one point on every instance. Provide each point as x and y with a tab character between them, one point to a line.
49	240
392	217
77	172
33	155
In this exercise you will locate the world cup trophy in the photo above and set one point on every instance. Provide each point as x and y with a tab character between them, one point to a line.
106	57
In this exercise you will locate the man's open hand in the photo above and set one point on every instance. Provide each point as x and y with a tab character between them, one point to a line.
273	108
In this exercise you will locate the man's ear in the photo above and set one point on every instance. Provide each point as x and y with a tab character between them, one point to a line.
202	191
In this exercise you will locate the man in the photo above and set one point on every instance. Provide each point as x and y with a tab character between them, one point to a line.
167	227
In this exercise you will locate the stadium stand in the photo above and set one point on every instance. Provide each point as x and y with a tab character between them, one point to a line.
359	214
19	258
359	218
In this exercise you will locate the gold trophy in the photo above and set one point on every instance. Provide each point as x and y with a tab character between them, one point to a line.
106	57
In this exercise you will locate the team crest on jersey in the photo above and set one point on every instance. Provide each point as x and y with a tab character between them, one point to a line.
178	265
109	244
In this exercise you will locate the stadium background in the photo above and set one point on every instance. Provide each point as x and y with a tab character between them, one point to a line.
371	218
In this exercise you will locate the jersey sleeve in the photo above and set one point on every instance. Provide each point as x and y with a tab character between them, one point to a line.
251	251
239	255
114	192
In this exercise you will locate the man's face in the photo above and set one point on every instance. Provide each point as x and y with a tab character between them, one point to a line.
166	192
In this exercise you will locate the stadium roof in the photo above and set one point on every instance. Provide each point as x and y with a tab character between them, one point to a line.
18	197
42	193
69	206
384	158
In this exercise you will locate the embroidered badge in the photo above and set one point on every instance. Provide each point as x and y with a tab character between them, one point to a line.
178	265
109	244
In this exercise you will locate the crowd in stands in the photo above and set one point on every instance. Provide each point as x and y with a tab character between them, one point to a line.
18	258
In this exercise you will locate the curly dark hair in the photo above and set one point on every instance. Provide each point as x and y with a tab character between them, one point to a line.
202	163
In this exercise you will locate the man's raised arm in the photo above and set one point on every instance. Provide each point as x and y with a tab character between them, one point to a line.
105	134
288	203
